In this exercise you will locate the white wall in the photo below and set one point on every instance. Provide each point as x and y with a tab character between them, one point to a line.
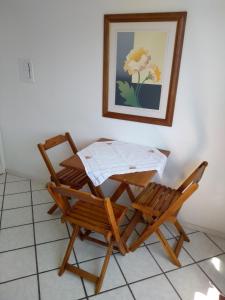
64	39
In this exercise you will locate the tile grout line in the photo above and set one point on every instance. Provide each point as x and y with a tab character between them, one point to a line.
198	262
164	273
18	278
24	180
194	231
213	242
98	257
128	284
176	238
114	255
194	261
31	222
3	197
35	246
201	260
133	282
210	279
24	192
6	209
106	291
74	253
39	244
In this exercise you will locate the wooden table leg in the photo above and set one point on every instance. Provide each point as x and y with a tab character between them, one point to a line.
96	190
99	192
130	193
118	192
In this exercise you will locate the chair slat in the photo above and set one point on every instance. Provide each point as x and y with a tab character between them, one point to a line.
92	221
160	190
148	193
85	214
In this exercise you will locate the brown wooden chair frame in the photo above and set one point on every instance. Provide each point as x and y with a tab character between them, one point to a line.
156	217
110	230
50	143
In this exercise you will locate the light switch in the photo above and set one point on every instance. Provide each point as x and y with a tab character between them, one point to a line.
26	72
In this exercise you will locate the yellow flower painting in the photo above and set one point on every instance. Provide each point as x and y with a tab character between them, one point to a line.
139	70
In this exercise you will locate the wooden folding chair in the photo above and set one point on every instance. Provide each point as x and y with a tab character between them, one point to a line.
73	178
92	214
158	204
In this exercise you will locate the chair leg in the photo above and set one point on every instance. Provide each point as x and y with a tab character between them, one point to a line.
69	249
92	188
104	268
123	247
52	209
181	231
143	236
167	248
130	227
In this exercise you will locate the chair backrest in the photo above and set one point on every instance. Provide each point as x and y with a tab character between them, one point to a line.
50	143
195	177
61	193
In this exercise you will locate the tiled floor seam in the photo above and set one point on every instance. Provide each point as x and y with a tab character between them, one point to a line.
175	236
3	197
210	279
74	253
213	241
23	191
18	278
128	284
49	220
164	273
20	248
198	264
6	209
35	246
201	260
109	290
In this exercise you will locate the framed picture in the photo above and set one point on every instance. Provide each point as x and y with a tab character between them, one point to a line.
142	54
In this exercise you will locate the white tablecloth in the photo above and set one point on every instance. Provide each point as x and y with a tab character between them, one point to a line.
104	159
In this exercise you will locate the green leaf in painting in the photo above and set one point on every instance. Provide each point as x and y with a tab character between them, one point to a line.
128	93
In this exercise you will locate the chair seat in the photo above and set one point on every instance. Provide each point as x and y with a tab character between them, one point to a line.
74	178
158	197
94	217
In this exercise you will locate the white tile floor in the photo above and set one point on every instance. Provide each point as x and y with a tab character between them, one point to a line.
32	245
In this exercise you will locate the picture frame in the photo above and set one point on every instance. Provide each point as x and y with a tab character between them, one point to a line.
141	62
